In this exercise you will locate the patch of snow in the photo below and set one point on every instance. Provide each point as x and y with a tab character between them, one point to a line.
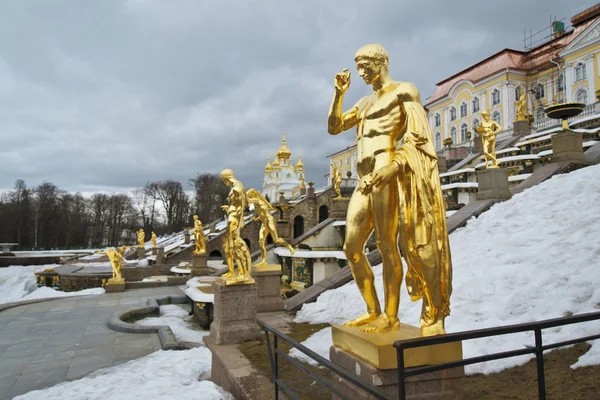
460	185
319	342
165	374
179	321
533	257
198	295
285	252
45	293
458	171
177	270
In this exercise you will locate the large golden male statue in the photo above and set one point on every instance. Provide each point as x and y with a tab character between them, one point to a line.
399	193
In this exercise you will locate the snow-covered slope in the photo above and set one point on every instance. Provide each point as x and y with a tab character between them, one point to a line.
534	257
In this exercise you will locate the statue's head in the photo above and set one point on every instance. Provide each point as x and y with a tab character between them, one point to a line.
252	194
195	218
227	177
485	115
371	61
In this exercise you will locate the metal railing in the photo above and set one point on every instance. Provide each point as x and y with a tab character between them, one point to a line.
275	352
538	349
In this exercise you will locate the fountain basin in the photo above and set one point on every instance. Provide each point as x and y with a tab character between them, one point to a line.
564	111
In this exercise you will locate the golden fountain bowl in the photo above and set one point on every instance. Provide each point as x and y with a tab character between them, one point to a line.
564	111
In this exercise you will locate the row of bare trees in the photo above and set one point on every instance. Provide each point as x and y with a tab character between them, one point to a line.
45	216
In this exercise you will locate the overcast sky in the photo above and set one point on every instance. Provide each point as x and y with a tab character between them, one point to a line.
105	95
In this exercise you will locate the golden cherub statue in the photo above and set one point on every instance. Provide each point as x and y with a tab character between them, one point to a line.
153	239
336	180
399	196
269	227
236	249
141	236
521	107
488	130
199	237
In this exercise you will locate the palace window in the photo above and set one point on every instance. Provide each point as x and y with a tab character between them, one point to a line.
340	162
540	93
518	92
581	96
560	83
540	115
348	160
463	132
452	114
497	118
438	120
453	135
495	97
475	104
580	72
438	140
463	110
475	123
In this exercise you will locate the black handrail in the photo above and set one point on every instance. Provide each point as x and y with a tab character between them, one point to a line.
538	349
274	358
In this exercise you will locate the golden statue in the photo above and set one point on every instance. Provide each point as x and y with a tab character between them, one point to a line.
399	193
236	250
140	238
115	257
521	107
488	130
302	182
336	180
263	209
153	239
199	237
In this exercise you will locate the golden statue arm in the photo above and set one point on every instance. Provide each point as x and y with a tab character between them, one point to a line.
338	121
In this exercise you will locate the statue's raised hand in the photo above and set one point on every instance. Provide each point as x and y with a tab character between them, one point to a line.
342	81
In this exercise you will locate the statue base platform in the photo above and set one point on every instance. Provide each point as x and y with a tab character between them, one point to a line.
446	384
521	128
568	146
237	280
160	255
141	253
154	251
234	313
186	238
493	184
268	278
341	199
200	265
115	285
377	349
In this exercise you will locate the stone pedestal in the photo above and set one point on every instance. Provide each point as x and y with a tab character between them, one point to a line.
141	253
160	255
442	164
493	184
115	285
186	238
234	313
521	128
268	279
154	251
439	385
339	208
200	265
567	146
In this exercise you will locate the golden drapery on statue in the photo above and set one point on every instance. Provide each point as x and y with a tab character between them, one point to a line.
236	249
269	226
488	130
199	237
399	197
153	239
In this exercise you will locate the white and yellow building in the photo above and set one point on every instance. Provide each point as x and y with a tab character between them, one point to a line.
282	175
345	160
566	68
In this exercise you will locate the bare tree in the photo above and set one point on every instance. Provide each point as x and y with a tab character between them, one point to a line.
210	193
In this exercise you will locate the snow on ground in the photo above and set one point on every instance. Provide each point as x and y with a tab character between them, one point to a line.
161	375
534	257
17	283
179	321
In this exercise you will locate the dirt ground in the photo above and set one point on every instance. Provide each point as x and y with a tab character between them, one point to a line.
516	383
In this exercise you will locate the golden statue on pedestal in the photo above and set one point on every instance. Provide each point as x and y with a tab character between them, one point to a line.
153	239
263	209
488	130
236	249
199	237
115	257
398	193
141	236
336	180
521	107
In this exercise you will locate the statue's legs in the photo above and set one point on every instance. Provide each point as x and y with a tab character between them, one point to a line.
385	218
359	226
262	241
272	229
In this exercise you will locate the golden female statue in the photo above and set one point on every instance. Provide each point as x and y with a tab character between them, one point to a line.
236	250
263	209
521	107
153	239
399	192
141	236
336	180
488	130
116	263
199	237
